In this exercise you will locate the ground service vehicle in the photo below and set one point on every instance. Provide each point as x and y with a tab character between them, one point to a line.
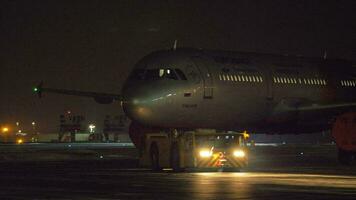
195	150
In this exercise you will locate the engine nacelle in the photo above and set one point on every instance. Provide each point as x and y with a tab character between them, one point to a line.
344	131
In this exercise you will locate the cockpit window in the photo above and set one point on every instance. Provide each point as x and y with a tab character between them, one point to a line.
137	74
156	74
152	74
181	74
170	74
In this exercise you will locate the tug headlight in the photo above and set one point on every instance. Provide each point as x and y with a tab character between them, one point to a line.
239	153
205	153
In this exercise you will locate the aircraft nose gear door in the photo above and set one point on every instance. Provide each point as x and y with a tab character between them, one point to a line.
206	75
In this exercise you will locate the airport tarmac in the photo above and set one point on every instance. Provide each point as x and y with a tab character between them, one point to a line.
288	172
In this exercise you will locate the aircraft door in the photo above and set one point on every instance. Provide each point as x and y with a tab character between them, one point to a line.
268	88
206	75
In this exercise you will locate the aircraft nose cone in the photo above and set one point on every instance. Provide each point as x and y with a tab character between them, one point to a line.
134	105
129	104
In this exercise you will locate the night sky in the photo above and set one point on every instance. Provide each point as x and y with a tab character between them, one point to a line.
92	45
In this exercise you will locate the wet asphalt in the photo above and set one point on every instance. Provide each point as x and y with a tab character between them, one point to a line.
297	172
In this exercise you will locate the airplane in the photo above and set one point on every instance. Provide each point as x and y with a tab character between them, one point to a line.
187	89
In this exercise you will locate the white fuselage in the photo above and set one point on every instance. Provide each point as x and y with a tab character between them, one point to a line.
191	89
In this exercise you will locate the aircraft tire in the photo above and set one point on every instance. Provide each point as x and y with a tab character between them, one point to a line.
175	158
154	154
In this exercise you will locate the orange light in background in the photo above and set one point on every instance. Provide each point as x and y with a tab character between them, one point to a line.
19	141
5	129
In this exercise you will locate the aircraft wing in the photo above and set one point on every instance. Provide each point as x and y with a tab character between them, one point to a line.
299	104
102	98
350	106
292	107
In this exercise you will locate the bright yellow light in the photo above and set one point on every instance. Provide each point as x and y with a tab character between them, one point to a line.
19	141
5	129
239	153
205	153
246	135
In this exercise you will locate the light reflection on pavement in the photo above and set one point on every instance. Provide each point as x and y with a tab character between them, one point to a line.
276	173
287	182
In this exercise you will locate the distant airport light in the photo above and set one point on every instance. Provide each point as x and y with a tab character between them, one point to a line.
33	123
246	135
35	89
91	128
5	129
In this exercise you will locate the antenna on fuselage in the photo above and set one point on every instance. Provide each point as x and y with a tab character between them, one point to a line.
175	45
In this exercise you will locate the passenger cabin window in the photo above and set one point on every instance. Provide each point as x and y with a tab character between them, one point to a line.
348	83
240	78
302	81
